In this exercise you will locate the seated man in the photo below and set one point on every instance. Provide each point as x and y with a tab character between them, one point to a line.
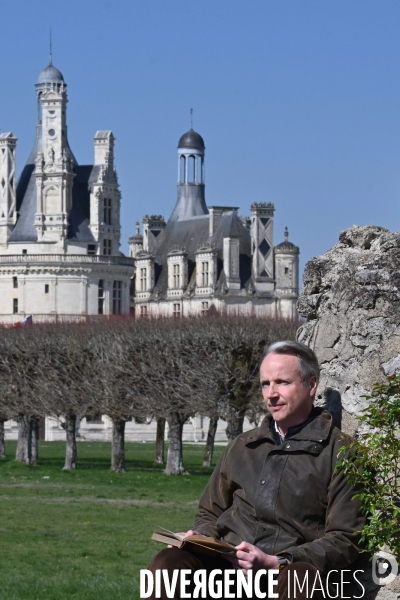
274	493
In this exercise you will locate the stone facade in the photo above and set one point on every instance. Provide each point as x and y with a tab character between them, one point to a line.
60	225
209	258
100	430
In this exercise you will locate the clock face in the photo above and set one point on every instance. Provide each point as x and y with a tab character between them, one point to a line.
52	132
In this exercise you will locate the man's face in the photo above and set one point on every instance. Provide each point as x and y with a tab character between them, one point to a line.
288	400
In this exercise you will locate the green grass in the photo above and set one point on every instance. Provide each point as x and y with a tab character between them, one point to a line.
85	534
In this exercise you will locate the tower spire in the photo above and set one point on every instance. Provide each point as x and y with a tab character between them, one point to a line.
51	49
191	118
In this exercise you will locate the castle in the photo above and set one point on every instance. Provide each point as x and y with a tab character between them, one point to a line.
60	226
209	258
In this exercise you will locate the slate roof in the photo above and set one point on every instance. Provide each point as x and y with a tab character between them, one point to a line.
79	216
191	139
49	75
286	245
190	234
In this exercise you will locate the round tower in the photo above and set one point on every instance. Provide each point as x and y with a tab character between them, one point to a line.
136	242
287	276
191	185
51	92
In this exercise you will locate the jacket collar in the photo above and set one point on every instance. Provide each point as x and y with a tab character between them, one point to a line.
318	430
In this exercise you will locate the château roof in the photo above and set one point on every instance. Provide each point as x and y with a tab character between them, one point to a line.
191	139
50	75
194	232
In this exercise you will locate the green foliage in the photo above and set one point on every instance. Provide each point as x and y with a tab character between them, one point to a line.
373	465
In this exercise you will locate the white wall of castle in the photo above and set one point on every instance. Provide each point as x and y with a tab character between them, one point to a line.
194	431
47	291
230	305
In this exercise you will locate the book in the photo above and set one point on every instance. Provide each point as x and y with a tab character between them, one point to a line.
202	544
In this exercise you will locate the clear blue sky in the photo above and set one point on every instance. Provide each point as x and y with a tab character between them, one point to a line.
298	101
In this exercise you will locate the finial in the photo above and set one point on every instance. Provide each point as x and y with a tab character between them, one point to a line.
51	49
191	118
137	227
286	234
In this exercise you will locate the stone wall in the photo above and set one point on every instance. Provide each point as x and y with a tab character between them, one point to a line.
351	300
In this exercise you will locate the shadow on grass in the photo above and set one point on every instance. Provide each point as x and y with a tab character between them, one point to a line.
97	455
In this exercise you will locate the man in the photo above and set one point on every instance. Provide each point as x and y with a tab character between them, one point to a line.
275	493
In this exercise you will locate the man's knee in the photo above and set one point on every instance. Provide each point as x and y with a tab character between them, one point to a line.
175	558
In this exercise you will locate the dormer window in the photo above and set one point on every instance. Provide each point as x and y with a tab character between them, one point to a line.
143	279
177	276
205	272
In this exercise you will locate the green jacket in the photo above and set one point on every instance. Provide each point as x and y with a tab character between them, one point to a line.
285	498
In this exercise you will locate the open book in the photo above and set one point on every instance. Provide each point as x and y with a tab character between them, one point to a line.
194	543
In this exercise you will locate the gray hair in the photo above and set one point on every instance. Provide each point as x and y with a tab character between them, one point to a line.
308	362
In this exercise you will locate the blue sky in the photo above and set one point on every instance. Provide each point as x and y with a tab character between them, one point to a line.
298	101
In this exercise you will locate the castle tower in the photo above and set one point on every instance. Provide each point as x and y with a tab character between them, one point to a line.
136	242
287	276
52	157
287	266
191	184
7	185
105	197
262	226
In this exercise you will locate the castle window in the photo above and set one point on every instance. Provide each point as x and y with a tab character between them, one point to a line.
107	247
117	297
177	310
93	419
143	311
107	211
286	270
15	306
15	282
204	274
143	279
177	273
91	249
101	297
46	288
24	251
204	308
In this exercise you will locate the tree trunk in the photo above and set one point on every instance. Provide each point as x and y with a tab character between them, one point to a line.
160	441
174	457
235	426
71	453
118	446
34	425
23	453
212	429
2	440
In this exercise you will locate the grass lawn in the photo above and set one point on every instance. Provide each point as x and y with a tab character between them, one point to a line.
85	534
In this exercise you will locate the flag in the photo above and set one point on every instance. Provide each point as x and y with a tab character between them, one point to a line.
27	321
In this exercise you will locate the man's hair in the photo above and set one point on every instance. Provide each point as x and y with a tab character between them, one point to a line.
308	362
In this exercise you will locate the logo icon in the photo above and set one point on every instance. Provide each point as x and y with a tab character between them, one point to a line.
384	568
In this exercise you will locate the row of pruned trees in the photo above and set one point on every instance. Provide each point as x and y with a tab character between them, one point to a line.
168	370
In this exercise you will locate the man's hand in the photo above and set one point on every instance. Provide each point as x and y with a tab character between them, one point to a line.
185	534
248	557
